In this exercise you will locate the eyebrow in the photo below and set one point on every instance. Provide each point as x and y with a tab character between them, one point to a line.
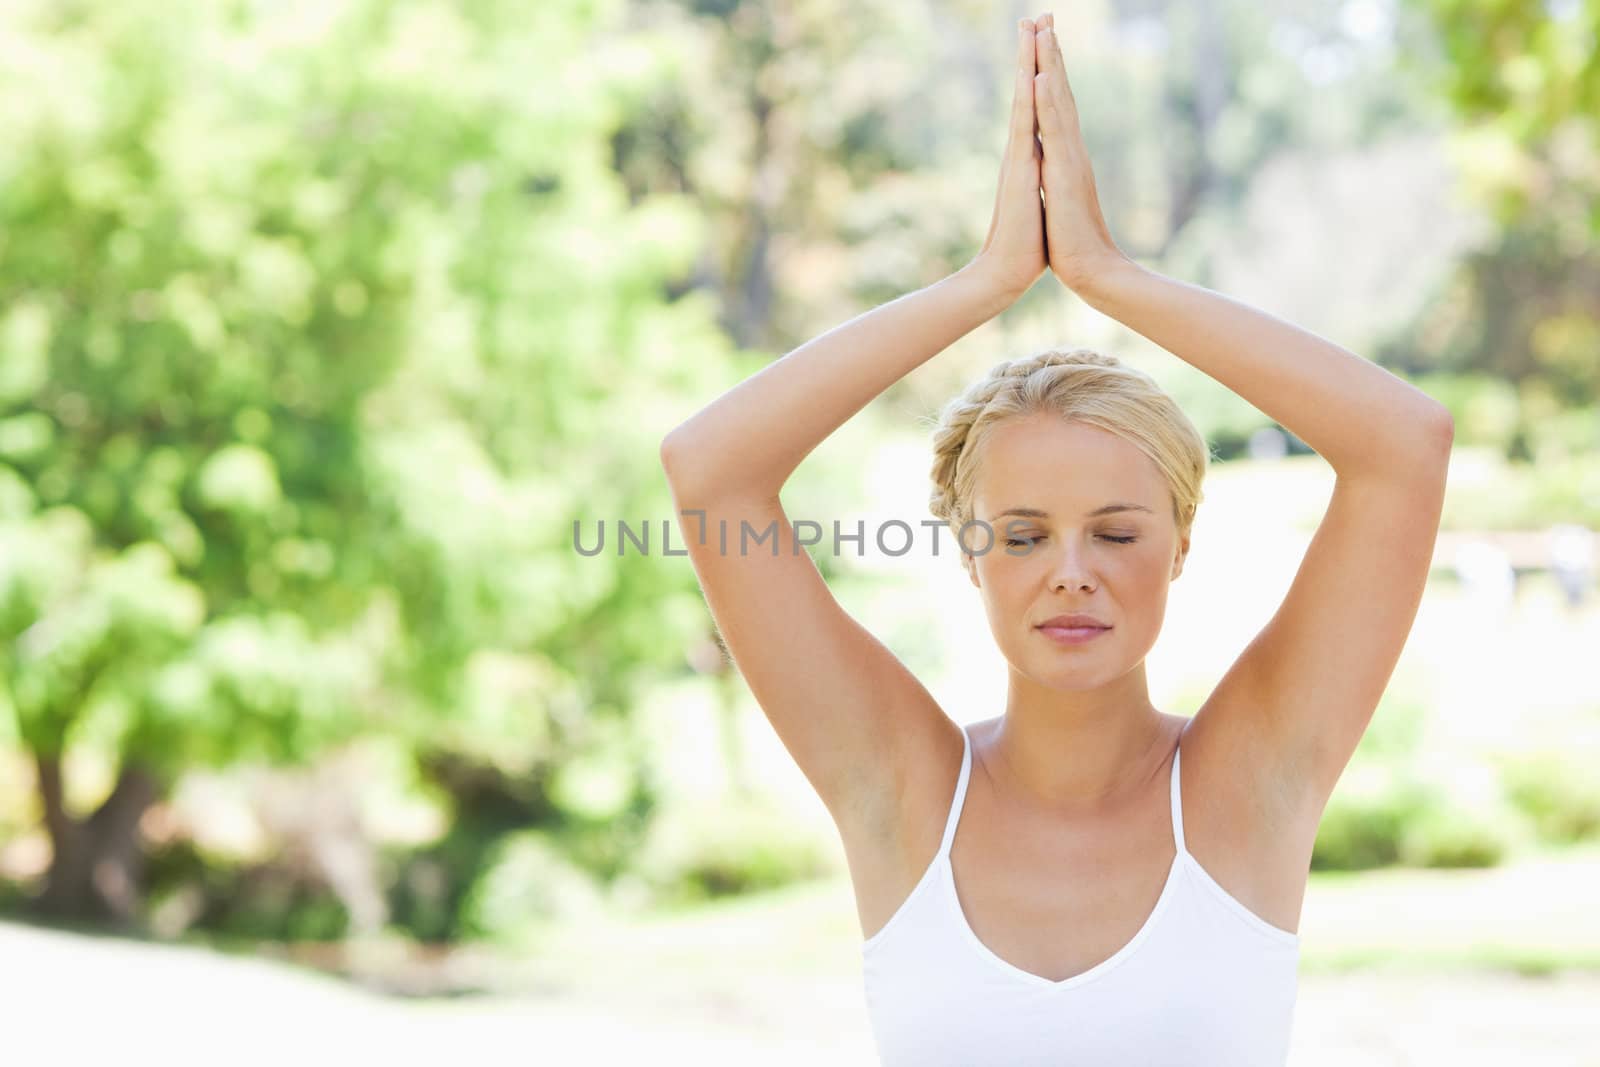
1105	509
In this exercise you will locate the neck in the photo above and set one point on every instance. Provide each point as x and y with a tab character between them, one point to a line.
1078	752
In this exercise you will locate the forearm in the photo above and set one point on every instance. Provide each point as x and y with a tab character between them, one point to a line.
750	439
1359	417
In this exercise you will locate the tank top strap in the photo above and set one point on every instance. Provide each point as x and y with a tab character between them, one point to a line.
1177	801
960	794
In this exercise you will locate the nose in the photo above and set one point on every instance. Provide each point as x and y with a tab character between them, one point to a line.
1071	570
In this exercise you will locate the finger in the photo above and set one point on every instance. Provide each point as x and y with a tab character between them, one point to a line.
1049	115
1051	89
1058	129
1051	59
1022	99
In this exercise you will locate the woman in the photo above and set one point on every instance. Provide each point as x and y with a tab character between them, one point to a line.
1118	884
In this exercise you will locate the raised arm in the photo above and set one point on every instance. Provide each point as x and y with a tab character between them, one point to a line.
863	730
1356	415
751	438
1296	702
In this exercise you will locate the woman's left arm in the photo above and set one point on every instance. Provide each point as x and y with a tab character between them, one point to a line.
1297	700
1359	417
1362	419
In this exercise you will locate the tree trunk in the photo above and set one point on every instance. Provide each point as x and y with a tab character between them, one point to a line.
96	864
1191	176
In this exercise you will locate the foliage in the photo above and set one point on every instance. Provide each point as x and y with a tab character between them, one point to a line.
1498	495
1400	802
702	850
1385	818
1557	792
527	880
1524	79
320	323
1532	70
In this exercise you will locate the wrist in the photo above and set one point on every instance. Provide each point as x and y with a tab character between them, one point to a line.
989	285
1097	280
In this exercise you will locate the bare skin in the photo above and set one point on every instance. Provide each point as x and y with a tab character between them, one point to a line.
1055	896
1073	778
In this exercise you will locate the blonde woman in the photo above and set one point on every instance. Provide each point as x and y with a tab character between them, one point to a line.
1082	878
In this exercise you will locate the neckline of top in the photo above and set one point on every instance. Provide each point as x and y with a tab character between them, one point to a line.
958	802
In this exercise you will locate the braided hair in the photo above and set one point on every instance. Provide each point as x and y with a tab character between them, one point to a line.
1079	385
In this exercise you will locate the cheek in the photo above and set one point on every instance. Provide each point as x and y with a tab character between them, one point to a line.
1009	581
1005	595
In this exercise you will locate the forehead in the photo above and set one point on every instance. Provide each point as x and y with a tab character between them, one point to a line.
1045	461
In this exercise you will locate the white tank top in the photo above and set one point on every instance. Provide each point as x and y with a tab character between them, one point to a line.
1204	981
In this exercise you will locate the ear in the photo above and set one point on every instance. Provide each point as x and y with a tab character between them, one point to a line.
1178	560
971	564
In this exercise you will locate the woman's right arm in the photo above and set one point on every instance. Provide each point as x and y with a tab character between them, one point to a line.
748	441
862	729
850	714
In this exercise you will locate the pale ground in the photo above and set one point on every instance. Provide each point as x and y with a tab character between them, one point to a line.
75	1000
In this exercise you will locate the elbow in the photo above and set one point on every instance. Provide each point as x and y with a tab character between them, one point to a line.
1440	439
1438	416
695	473
1444	428
675	448
675	455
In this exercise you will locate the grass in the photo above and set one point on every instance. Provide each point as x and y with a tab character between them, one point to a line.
1532	917
1523	960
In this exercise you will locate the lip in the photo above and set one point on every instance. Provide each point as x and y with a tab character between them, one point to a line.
1075	620
1073	635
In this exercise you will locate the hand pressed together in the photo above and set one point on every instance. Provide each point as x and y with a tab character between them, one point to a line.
1079	244
1013	253
1045	150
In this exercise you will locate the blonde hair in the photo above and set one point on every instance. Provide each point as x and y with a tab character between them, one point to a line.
1080	385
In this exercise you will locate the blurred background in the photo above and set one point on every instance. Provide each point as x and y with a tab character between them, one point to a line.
332	331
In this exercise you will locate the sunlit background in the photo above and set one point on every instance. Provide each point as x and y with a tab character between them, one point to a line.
327	326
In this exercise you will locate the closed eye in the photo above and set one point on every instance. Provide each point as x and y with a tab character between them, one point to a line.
1013	541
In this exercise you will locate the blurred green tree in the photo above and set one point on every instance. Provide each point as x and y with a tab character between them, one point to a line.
320	323
845	153
1526	78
